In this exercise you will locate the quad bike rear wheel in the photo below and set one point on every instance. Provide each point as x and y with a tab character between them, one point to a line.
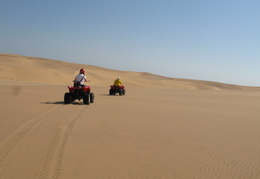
67	98
110	92
120	92
86	98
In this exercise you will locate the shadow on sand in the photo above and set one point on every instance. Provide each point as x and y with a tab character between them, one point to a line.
62	102
104	95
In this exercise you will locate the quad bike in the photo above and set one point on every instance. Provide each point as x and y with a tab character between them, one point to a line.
79	93
117	89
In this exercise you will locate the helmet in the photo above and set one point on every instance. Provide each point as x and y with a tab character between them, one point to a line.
82	70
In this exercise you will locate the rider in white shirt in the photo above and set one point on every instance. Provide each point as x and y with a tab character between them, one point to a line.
80	79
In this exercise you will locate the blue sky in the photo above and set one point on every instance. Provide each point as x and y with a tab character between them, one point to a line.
215	40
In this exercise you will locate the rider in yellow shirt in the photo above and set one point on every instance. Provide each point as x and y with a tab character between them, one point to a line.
118	82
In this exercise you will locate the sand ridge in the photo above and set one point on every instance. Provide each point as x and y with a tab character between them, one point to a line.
41	70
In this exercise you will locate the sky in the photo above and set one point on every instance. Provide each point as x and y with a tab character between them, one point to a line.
213	40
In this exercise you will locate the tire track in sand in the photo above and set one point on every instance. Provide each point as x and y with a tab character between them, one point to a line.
21	131
52	164
20	134
11	124
17	115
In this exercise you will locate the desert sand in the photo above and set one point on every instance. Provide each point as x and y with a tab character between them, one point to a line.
162	128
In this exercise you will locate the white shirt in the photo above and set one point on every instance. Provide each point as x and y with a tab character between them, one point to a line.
81	78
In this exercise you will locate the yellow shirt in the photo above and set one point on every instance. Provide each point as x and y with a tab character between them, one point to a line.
117	82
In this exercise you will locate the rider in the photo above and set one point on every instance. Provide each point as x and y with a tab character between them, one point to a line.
80	79
117	82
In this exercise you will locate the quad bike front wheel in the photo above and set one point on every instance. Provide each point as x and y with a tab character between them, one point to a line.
123	91
91	97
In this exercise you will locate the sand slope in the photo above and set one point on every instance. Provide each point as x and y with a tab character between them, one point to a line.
40	70
175	131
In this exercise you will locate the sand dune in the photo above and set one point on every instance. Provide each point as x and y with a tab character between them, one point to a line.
162	128
39	70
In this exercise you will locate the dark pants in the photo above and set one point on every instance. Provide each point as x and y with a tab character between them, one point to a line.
78	85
